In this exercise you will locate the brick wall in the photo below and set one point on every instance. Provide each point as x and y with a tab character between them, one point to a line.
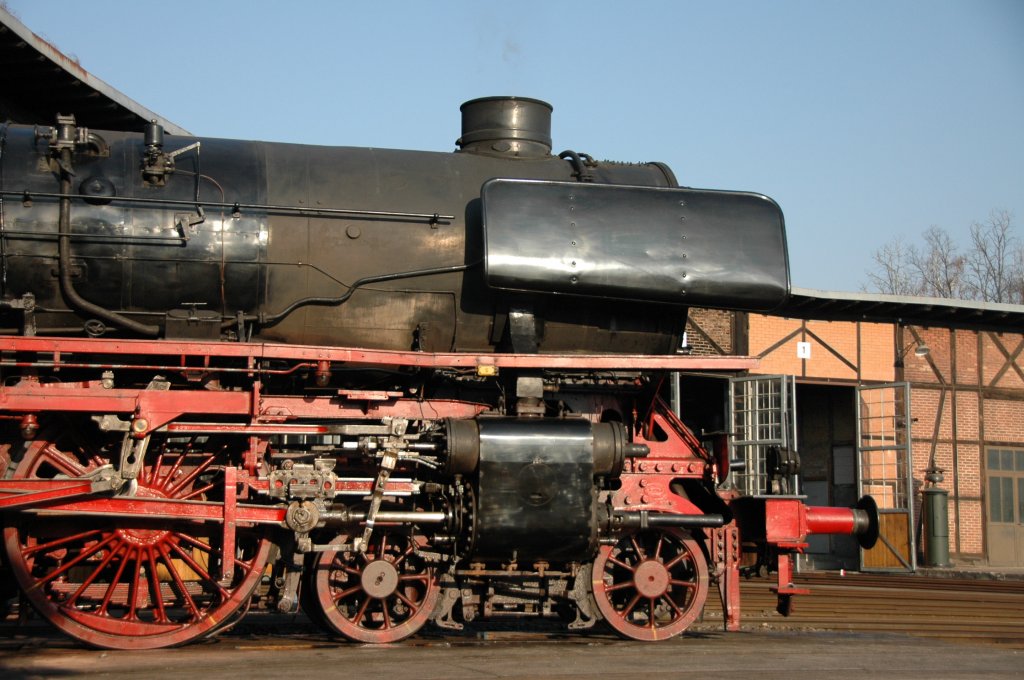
976	379
1004	421
840	351
710	331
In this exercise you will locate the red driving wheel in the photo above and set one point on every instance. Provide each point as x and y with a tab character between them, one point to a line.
130	583
651	584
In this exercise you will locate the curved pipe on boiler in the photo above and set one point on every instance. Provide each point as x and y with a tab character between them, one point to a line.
74	300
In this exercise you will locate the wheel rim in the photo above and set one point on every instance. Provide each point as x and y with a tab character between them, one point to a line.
383	595
650	585
126	583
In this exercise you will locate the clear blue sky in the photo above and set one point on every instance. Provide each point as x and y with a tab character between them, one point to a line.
864	120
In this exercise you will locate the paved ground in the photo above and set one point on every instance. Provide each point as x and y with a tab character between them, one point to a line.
756	654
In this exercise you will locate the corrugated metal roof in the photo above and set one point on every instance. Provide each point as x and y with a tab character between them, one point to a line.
806	303
37	81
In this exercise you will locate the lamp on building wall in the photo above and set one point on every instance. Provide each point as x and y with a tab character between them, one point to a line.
921	350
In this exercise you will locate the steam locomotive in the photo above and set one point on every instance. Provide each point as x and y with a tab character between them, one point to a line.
388	387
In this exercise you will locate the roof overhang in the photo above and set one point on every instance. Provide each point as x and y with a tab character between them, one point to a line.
37	81
806	303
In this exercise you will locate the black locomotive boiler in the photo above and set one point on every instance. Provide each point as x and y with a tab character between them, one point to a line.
389	386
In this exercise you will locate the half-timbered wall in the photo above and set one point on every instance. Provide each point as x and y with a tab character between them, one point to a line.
967	398
839	351
967	394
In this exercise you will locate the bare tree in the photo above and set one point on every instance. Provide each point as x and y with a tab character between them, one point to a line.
992	269
1017	286
938	266
892	273
994	264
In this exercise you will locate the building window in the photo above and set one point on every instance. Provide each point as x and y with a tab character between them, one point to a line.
1006	486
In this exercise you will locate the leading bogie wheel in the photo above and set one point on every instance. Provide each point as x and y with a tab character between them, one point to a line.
130	583
651	584
382	595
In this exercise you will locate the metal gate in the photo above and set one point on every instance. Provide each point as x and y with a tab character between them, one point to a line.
762	416
884	467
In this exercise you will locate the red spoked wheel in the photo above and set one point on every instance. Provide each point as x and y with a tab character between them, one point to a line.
383	595
651	584
126	583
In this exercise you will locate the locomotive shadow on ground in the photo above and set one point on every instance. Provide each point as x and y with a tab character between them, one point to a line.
765	654
38	637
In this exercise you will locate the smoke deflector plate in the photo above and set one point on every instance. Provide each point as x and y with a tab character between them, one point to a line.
692	247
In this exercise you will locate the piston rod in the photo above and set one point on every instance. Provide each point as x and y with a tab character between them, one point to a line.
385	516
644	519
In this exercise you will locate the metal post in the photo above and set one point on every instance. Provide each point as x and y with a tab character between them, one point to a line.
935	507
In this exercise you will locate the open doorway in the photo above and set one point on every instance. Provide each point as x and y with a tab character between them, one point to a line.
703	402
826	434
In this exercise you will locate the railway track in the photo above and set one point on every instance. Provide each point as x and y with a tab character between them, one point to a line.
981	610
961	609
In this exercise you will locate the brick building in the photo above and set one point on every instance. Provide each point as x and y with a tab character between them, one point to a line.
874	407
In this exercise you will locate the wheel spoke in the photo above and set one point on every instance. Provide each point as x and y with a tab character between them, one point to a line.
677	559
62	461
109	594
57	542
133	585
188	479
690	585
194	542
632	604
421	578
636	547
338	597
190	603
197	568
622	564
156	595
408	603
154	472
401	558
362	610
173	471
198	492
671	603
87	553
246	564
93	576
619	586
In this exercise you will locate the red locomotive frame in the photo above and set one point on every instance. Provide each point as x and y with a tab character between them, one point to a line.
180	533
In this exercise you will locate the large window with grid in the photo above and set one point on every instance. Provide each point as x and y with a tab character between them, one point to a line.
762	410
1004	467
1006	485
885	445
883	454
